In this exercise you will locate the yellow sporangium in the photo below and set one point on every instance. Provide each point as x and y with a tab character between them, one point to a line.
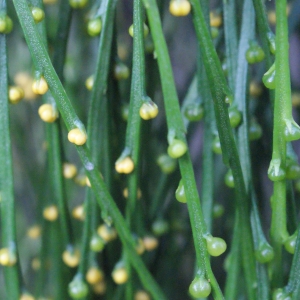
78	213
37	14
179	8
150	242
215	19
124	165
87	181
140	247
119	275
148	110
26	296
146	30
7	257
139	193
34	232
71	258
94	275
25	81
15	94
48	113
107	233
6	24
50	213
77	136
89	82
141	295
99	288
69	170
40	86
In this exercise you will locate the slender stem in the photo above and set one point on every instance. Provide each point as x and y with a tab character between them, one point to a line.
234	265
86	232
207	195
7	203
175	123
231	43
134	121
247	33
263	284
294	277
136	95
282	112
263	28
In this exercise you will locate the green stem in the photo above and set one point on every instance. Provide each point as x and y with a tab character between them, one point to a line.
231	44
175	123
247	33
294	277
7	203
234	264
136	95
207	195
263	28
134	120
282	112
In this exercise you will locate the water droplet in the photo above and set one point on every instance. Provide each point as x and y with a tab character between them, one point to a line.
89	166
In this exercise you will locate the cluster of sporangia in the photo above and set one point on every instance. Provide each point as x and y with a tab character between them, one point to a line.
200	286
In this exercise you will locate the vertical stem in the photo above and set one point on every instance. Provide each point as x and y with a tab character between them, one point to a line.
209	128
282	112
230	40
7	201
